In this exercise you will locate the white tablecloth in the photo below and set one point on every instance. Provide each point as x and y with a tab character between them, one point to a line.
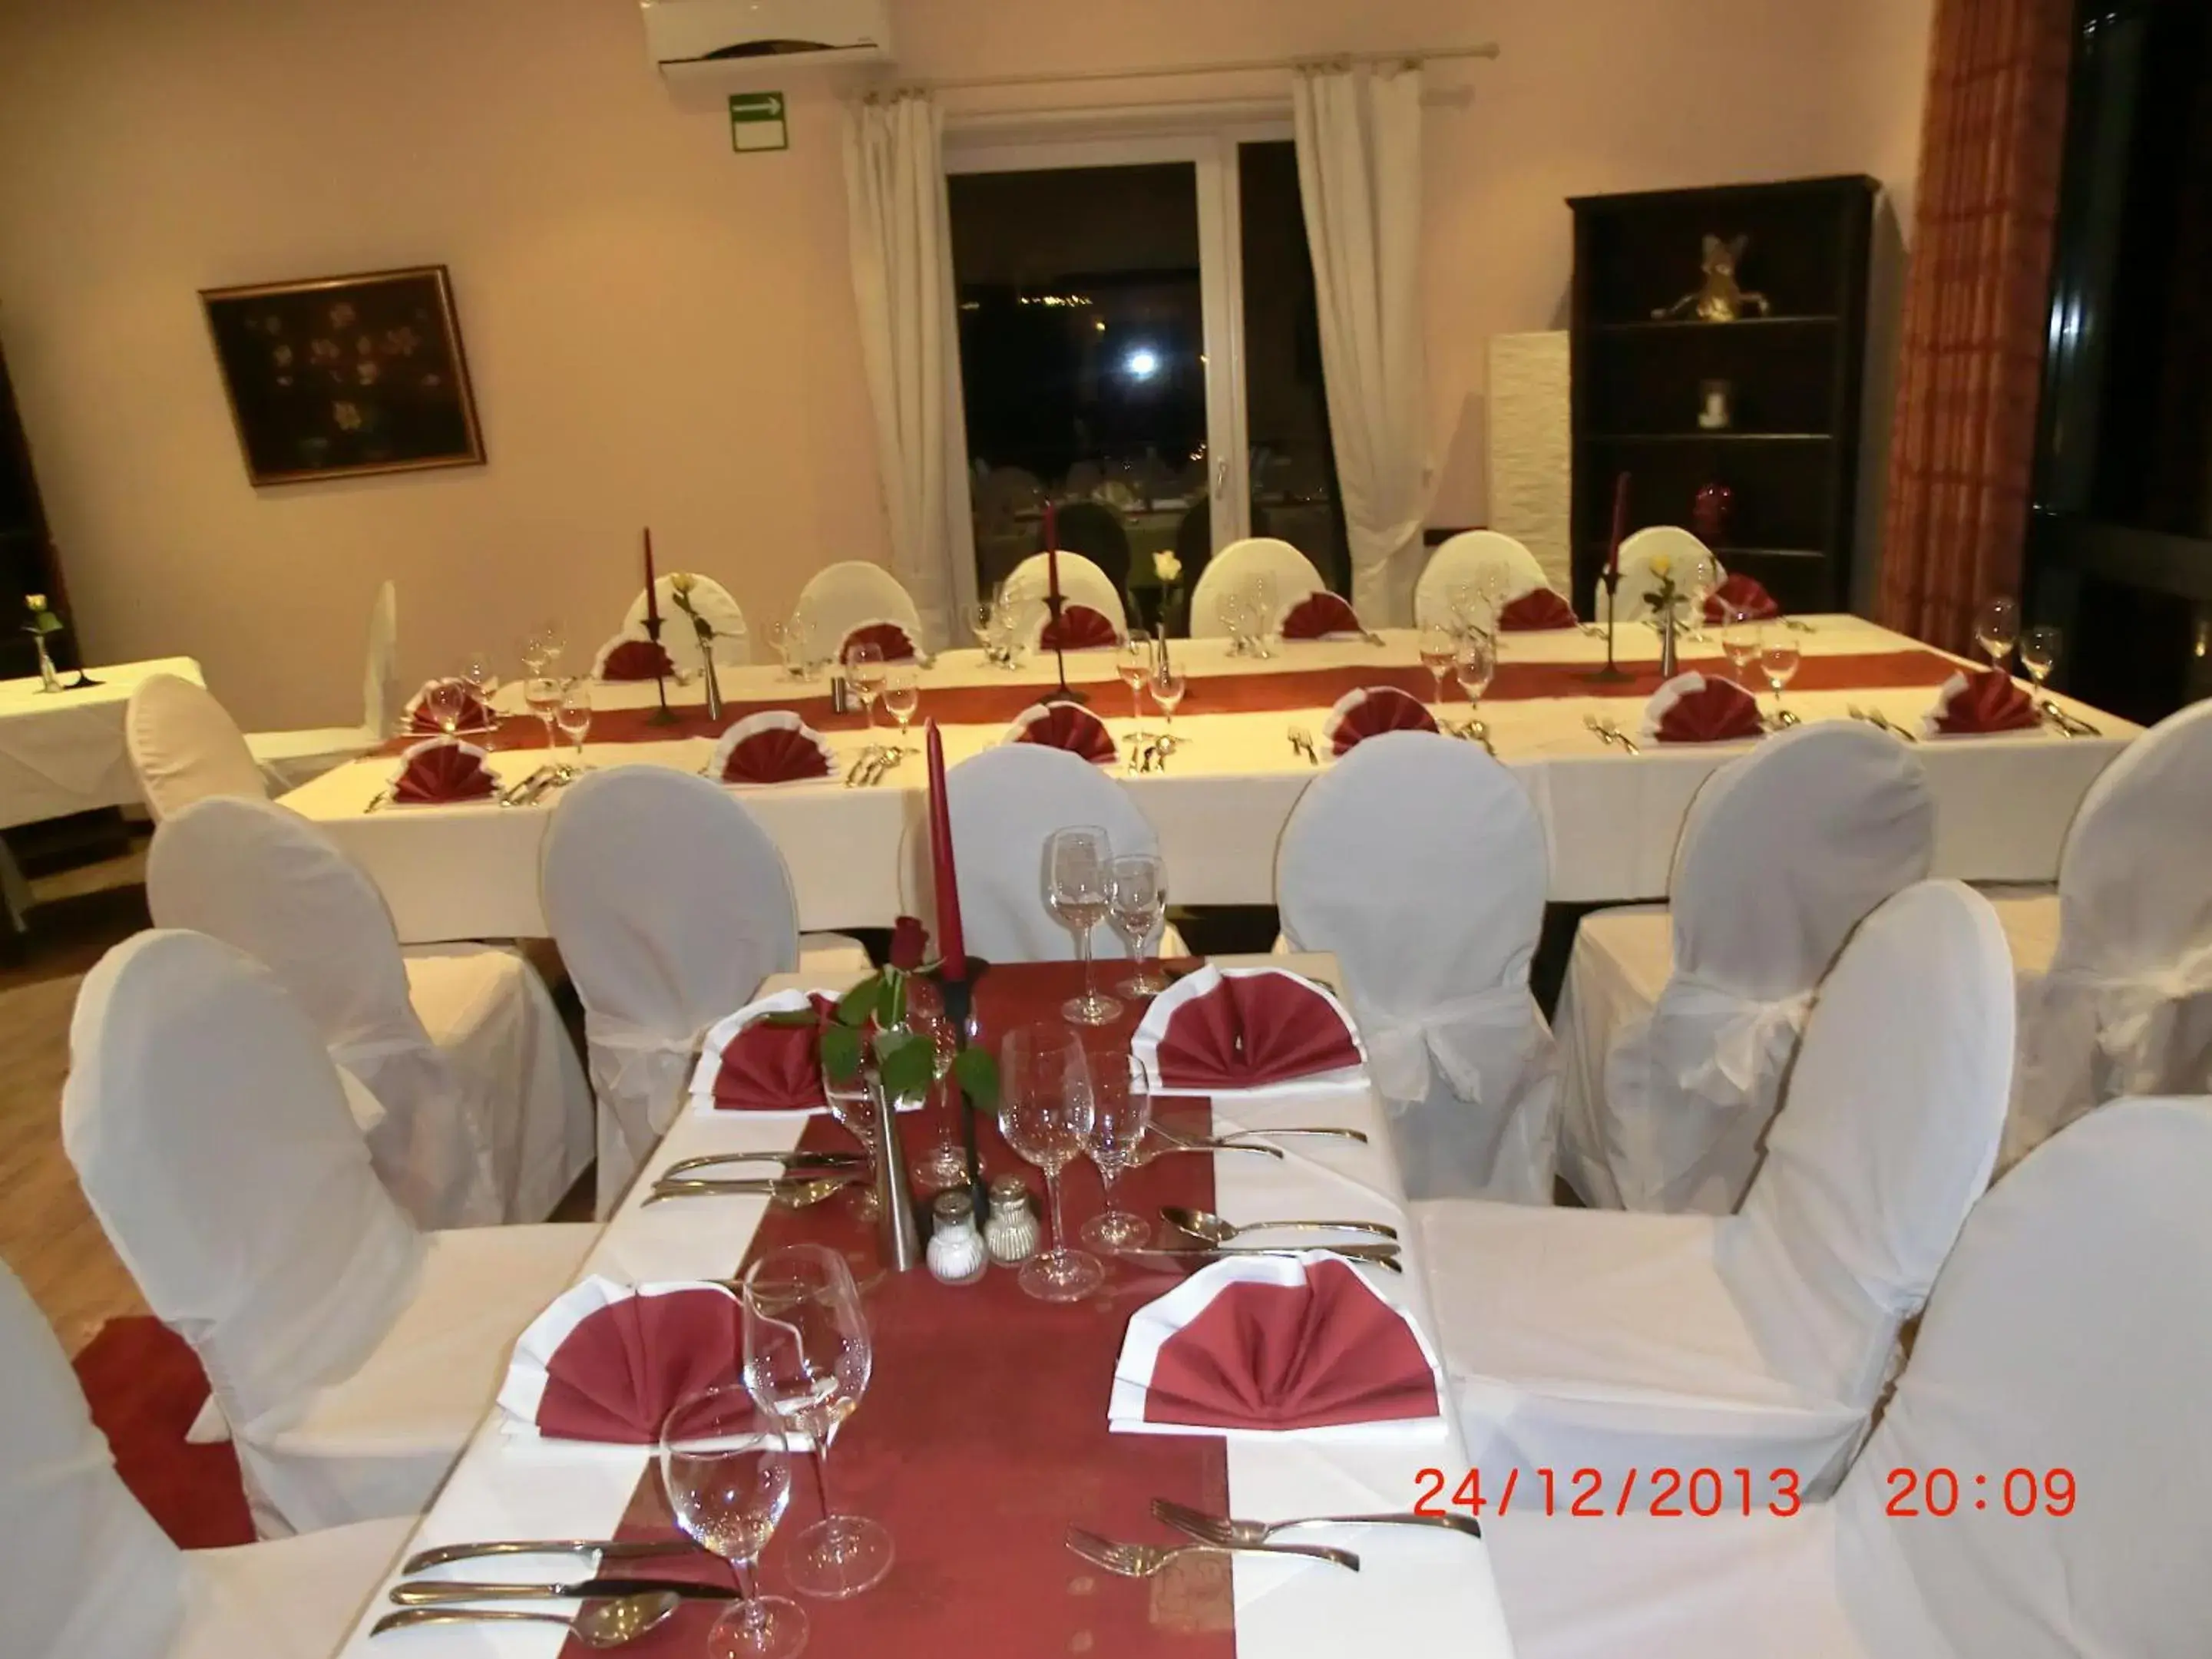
1413	1587
62	751
471	871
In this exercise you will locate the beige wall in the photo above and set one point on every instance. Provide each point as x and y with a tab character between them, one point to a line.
659	329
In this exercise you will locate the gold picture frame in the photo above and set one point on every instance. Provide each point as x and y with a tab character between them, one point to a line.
345	377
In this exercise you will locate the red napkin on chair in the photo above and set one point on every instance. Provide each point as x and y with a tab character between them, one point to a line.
609	1363
1311	1355
475	714
1370	713
776	747
1980	701
1539	608
636	660
1066	726
1079	628
442	770
1217	1032
1692	709
896	646
1739	593
1322	616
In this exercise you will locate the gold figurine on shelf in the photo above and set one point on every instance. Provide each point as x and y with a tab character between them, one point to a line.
1719	300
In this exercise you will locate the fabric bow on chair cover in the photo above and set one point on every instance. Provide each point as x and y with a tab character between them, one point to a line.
1482	1048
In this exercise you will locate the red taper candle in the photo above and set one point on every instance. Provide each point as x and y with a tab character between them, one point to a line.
1051	552
652	585
1620	523
952	945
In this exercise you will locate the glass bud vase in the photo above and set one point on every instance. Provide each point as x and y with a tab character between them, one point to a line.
48	680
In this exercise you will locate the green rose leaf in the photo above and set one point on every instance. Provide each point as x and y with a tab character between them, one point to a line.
977	1074
841	1051
906	1060
857	1006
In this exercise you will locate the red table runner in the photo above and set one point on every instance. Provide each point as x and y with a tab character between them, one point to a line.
983	1434
1258	691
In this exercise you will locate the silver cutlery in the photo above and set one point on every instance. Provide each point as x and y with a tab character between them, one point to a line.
1882	722
1372	637
1211	1229
861	765
1231	1141
1607	733
607	1549
1301	743
1799	625
1220	1529
1144	1560
528	789
1181	1143
794	1195
608	1624
1375	1255
1476	732
2071	724
441	1592
886	760
382	797
1783	719
811	1162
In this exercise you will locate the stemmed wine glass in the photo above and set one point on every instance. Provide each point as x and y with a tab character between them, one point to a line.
855	1108
1474	667
482	677
535	645
573	715
1135	665
1110	1119
1044	1091
1779	657
726	1464
1461	602
1077	861
1264	617
1703	577
944	1164
864	668
2038	654
1739	639
1997	629
1439	647
447	700
981	616
902	686
546	642
1137	899
543	695
808	1354
1168	687
1236	617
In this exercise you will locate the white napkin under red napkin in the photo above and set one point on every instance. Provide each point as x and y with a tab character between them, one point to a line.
895	645
1976	703
1322	616
475	714
1307	1345
609	1362
1066	726
1372	711
1080	628
776	747
440	770
751	1062
623	658
1692	709
1231	1031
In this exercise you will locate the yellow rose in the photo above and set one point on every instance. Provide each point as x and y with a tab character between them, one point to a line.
36	601
683	582
1661	564
1167	567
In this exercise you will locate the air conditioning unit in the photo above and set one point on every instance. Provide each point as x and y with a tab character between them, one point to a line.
738	46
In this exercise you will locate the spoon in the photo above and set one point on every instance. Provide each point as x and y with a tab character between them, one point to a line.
1206	1225
607	1623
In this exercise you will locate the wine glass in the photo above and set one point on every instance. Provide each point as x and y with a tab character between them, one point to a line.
1077	862
1137	897
1779	657
573	715
447	700
1474	667
1237	617
1135	663
2038	653
901	696
1461	600
1739	639
1439	649
980	614
532	652
865	669
1044	1087
550	645
1168	687
1491	583
1110	1118
855	1107
1997	629
726	1464
1699	582
808	1354
945	1163
543	695
1263	613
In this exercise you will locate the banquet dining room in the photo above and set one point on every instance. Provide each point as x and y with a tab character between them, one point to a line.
1322	813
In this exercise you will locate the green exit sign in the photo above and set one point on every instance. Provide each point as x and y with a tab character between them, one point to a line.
757	122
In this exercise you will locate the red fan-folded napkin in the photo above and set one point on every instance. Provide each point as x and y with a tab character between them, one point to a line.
636	660
1370	713
1243	1031
777	747
475	715
1066	726
608	1362
442	770
1981	700
1079	628
1692	709
1739	593
1539	608
1321	616
889	635
1311	1355
770	1067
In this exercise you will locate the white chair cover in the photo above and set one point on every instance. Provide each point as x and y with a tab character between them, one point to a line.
2125	1006
1418	860
1781	853
732	643
1295	578
289	759
184	746
1636	555
1463	561
852	594
1762	1338
487	1113
1081	582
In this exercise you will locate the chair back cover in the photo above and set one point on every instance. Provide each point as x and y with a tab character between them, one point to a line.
1081	582
1419	861
1637	578
2070	1330
1005	803
732	643
670	904
264	879
852	594
1463	561
1237	564
83	1569
1889	1130
184	746
212	1137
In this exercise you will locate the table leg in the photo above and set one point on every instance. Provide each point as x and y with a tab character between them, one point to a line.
15	893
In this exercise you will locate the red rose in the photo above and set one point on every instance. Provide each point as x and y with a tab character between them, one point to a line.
909	943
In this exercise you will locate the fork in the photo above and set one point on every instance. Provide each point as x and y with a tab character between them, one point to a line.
859	766
1302	742
1144	1560
2071	726
1607	733
1220	1529
382	797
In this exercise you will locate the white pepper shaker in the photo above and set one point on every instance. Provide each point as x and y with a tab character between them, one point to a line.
1011	1232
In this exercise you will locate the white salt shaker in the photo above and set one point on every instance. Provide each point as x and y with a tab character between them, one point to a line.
1011	1232
957	1252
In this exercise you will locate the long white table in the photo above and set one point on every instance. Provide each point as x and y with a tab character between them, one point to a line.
1416	1587
2004	803
63	751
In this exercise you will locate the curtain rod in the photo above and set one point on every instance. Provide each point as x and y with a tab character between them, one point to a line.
1228	66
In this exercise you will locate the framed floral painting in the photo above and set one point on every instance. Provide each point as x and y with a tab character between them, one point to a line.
345	375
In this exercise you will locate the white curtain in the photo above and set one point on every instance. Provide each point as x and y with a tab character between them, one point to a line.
903	284
1359	174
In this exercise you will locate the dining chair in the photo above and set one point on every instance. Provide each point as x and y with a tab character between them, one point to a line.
1465	560
671	904
2035	1488
1236	564
1637	552
289	759
1095	531
680	639
1761	1339
351	1354
488	1117
1419	861
1679	1020
183	746
1081	582
853	594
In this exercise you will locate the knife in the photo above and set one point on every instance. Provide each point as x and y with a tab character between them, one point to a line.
821	1163
418	1594
1379	1255
607	1549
